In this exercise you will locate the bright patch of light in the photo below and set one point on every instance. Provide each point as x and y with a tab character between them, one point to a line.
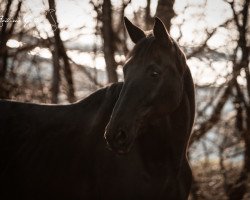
119	58
88	59
214	74
44	53
175	32
100	63
13	43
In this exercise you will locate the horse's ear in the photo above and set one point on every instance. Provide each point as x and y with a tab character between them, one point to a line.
134	32
161	33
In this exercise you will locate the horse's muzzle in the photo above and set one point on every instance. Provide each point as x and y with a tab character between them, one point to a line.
118	141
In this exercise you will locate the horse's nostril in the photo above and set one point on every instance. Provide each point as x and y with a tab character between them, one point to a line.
121	137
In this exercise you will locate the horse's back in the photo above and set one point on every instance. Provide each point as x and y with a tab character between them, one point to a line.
21	117
44	148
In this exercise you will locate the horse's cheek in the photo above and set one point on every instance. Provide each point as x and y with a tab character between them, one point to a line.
167	103
171	96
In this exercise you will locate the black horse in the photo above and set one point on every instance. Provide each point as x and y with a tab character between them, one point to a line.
154	115
59	152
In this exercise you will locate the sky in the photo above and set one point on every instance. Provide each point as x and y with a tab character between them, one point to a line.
77	13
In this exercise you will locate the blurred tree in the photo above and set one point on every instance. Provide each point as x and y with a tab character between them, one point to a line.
108	41
104	11
59	52
165	10
148	17
240	60
241	20
5	34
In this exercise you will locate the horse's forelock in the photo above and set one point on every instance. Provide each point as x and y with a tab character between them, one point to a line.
143	49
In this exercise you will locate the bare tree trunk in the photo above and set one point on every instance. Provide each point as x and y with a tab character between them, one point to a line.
108	39
195	190
60	49
55	77
3	36
165	11
148	18
226	184
68	74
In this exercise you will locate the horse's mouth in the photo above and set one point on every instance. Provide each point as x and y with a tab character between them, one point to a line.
117	148
123	152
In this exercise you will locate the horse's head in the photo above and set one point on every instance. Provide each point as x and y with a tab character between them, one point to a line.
152	84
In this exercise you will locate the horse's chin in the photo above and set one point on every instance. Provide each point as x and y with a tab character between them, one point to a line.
123	150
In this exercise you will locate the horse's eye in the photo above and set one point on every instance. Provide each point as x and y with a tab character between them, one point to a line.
155	74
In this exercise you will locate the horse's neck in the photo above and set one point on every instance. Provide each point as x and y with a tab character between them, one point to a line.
175	128
165	138
152	142
99	106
